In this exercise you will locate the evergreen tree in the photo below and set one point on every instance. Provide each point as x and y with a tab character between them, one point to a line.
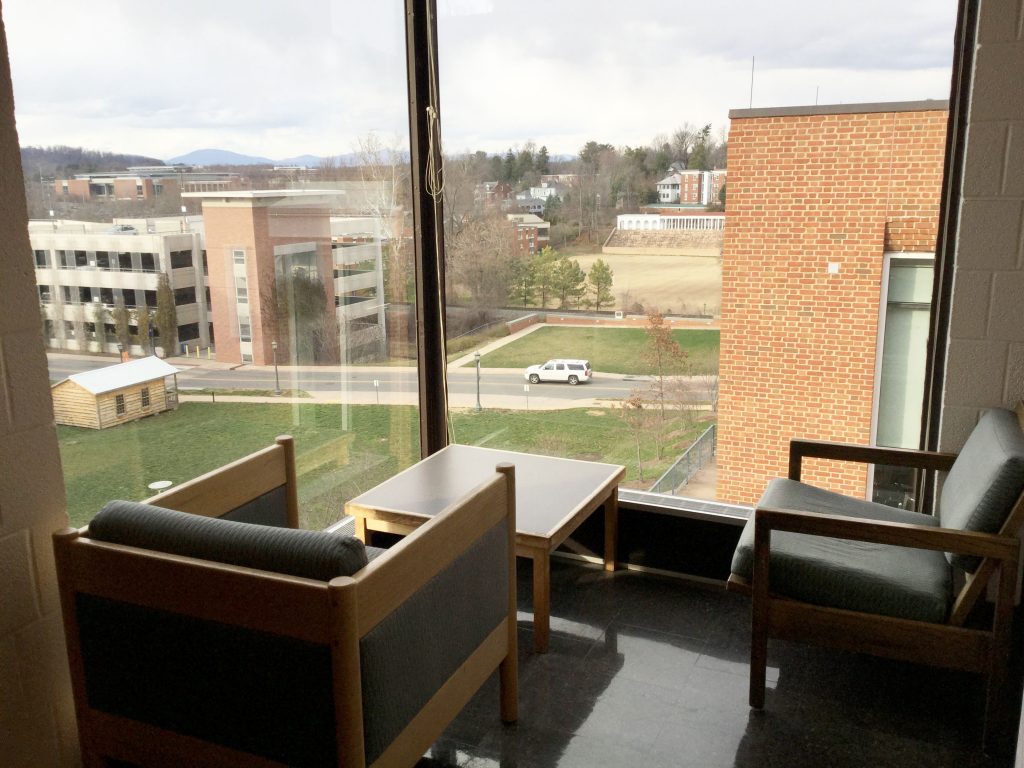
508	167
544	264
122	323
543	163
166	318
522	282
99	320
569	280
495	166
552	208
600	280
144	324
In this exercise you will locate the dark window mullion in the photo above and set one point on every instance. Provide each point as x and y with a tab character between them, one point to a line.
428	216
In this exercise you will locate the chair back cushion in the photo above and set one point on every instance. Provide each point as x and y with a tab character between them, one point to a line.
985	480
309	554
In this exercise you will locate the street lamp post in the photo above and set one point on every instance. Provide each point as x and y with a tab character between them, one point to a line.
277	380
476	356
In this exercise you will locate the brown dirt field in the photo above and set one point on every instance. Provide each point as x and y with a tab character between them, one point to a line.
682	284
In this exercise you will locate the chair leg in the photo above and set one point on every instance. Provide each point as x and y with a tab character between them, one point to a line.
758	661
508	681
997	720
759	612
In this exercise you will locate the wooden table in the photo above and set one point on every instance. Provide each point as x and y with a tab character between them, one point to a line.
553	497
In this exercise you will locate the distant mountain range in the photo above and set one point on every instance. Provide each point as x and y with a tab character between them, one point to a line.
225	157
66	161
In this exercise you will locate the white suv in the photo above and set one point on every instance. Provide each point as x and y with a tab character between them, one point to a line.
572	371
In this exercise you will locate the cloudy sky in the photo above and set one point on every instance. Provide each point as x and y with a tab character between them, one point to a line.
312	76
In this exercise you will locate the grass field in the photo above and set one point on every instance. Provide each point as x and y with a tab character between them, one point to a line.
681	284
612	350
341	451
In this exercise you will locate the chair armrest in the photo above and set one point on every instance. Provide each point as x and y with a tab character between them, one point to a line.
866	454
767	519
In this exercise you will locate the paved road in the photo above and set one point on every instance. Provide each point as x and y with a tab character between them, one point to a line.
498	387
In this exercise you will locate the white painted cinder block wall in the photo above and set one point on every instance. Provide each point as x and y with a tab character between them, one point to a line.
37	726
985	361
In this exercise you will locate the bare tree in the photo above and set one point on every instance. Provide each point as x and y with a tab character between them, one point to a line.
637	419
682	142
384	171
663	354
479	262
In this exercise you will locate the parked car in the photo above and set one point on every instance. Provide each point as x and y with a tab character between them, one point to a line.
572	371
122	229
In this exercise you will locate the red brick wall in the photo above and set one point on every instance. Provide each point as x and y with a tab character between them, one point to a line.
798	343
258	229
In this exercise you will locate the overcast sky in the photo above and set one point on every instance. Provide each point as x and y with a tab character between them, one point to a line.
312	76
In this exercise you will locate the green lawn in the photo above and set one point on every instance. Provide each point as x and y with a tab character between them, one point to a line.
613	350
340	452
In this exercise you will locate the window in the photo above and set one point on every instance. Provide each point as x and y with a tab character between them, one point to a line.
244	331
42	258
103	259
124	261
188	332
238	256
241	290
809	305
144	397
119	405
186	295
45	294
181	259
148	262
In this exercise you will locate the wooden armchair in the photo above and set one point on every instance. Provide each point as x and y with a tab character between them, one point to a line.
892	593
209	642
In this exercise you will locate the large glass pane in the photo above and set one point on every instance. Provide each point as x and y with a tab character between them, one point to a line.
227	188
666	236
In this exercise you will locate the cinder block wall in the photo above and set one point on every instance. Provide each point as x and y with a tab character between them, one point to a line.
807	190
985	361
37	724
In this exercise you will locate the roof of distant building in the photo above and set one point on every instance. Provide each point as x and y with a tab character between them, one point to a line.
525	218
122	375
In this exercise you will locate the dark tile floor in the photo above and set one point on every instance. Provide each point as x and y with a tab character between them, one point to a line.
647	671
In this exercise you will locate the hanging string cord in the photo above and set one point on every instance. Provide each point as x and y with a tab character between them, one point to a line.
435	188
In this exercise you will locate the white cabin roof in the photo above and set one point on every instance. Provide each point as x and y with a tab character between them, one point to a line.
122	375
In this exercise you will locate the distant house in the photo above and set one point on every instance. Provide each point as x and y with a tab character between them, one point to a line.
116	394
668	189
532	232
691	187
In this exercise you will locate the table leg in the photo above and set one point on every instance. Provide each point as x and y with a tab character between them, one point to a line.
362	531
611	530
541	600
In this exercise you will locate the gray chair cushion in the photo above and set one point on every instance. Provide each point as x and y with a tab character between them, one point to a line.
985	480
855	575
310	554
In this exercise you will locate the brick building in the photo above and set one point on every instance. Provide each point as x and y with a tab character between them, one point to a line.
251	237
532	232
144	183
831	220
691	187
